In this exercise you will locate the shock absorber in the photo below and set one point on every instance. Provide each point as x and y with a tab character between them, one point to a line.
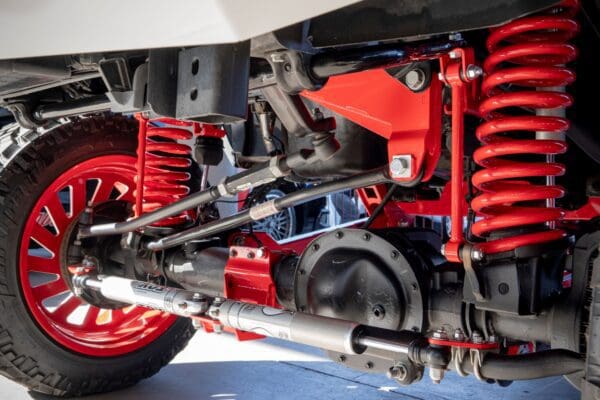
525	71
162	166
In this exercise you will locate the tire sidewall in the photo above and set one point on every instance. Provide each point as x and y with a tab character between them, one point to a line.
87	140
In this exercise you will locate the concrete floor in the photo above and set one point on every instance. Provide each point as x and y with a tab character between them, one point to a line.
217	367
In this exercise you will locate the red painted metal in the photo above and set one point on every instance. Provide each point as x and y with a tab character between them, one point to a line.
65	318
248	279
375	100
248	275
162	165
453	73
465	344
589	211
528	54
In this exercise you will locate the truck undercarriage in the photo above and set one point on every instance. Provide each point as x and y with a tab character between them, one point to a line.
475	113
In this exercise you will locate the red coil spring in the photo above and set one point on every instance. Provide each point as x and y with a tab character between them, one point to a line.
523	70
162	165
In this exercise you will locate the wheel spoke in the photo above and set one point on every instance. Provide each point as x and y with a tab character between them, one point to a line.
58	214
78	196
89	321
45	239
66	308
103	190
41	264
50	289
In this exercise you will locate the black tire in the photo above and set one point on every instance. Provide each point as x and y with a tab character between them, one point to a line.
27	355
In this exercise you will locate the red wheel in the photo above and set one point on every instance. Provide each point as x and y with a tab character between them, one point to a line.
50	340
66	318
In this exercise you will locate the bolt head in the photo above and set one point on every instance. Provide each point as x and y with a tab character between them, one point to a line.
415	79
260	253
476	337
455	36
398	372
473	72
458	335
440	334
493	339
453	55
477	254
401	166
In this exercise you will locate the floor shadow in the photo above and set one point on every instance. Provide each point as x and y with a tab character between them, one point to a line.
292	380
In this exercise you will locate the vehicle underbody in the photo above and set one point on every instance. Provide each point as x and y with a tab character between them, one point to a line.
472	112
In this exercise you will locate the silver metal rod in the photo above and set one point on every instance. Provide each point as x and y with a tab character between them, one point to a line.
269	208
175	208
382	344
76	107
263	119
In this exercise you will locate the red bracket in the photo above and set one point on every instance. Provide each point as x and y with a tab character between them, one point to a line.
247	279
379	102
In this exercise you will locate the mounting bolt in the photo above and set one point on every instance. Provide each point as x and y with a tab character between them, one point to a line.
398	372
318	114
250	255
493	339
458	335
436	375
440	334
378	311
342	358
476	337
260	253
477	254
199	297
473	72
369	365
454	55
233	253
401	166
455	37
415	79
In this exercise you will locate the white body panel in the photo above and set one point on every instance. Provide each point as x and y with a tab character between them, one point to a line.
33	28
